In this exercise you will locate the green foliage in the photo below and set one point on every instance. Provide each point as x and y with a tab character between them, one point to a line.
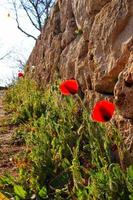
25	101
68	155
108	183
43	193
20	192
129	181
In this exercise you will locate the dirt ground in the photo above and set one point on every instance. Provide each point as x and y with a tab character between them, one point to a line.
7	149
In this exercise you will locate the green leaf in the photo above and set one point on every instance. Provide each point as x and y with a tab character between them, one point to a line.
7	179
17	198
18	189
130	179
43	192
130	172
131	197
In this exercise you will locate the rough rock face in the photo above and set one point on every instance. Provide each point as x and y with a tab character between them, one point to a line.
92	41
124	91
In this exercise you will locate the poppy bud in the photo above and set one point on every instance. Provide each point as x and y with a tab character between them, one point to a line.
20	75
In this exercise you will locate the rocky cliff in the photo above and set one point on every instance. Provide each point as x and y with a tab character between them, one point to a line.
92	41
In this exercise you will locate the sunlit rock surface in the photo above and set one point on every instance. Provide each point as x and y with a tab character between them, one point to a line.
92	41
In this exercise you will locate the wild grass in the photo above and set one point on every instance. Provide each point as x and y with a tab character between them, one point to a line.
67	156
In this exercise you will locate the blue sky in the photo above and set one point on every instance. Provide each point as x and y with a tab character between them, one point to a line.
13	40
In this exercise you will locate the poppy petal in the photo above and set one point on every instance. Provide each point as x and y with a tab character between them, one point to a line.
69	87
103	111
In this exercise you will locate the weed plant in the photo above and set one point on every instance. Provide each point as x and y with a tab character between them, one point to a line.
67	156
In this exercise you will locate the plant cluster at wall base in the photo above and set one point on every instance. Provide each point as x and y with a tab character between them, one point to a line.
67	155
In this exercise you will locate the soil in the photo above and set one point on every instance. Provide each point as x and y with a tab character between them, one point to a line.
7	149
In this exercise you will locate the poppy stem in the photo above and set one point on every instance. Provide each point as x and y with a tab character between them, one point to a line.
120	148
81	102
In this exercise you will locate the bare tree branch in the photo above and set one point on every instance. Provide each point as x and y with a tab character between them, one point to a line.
29	35
37	12
26	10
5	55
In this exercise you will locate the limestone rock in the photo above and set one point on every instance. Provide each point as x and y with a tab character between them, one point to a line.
92	41
124	91
110	35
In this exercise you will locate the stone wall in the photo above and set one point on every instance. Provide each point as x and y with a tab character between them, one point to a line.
91	41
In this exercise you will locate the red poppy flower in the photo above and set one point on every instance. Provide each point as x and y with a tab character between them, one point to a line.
103	111
69	87
20	75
